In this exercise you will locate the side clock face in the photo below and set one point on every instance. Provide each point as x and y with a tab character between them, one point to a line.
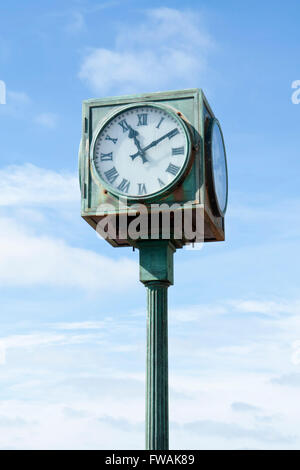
141	151
217	169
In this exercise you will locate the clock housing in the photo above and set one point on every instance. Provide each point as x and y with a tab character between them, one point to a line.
191	187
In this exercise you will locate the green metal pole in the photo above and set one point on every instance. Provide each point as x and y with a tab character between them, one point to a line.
156	273
157	393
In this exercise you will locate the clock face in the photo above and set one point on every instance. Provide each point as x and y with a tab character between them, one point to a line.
141	151
219	167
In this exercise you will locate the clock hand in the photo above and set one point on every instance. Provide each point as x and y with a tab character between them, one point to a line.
154	143
140	151
132	135
132	132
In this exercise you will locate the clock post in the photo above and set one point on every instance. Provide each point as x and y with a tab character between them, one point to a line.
156	273
163	154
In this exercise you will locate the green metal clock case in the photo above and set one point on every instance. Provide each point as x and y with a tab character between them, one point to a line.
191	191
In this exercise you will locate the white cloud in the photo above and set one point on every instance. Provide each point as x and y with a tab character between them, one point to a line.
273	308
47	120
169	49
41	339
214	402
194	313
76	22
215	361
61	426
228	430
27	259
84	325
290	380
31	340
106	410
2	353
17	104
244	407
21	185
18	98
295	358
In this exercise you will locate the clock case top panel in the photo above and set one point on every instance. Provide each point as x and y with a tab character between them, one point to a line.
192	189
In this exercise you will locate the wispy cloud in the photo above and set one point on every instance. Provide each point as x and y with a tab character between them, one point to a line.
290	380
48	120
17	104
16	98
243	407
267	307
6	421
170	47
2	353
75	19
84	325
27	260
76	22
214	404
41	339
272	308
27	184
236	431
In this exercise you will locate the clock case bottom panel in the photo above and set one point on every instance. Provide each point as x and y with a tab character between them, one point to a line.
207	230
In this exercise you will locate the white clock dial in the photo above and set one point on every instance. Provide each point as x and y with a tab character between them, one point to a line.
140	151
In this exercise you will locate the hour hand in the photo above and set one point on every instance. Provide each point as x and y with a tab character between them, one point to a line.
140	152
132	135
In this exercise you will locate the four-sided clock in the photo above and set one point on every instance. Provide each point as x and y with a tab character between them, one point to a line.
141	151
161	148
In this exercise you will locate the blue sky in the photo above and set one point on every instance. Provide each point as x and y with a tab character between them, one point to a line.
72	339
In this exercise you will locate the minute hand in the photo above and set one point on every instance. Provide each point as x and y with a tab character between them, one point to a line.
155	142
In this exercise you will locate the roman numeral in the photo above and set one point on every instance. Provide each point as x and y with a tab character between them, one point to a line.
173	133
142	119
110	138
178	151
158	125
111	175
142	189
161	183
173	169
124	185
124	125
106	156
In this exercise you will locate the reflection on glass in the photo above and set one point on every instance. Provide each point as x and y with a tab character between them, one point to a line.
219	167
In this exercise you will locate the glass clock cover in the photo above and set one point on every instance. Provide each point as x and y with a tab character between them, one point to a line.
219	167
141	150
